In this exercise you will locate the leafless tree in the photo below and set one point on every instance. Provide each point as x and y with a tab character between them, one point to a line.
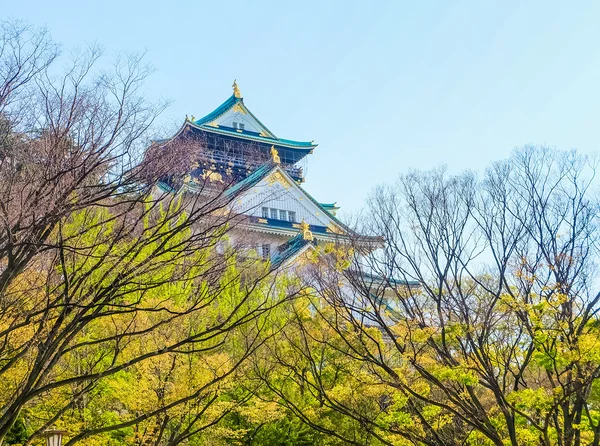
485	290
87	240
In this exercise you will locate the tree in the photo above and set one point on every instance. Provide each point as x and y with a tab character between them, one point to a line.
477	322
118	314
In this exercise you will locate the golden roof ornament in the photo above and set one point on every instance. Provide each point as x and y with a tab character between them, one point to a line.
237	108
236	89
306	234
212	176
275	155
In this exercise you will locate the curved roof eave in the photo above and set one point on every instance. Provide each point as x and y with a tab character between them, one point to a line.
272	138
306	147
165	141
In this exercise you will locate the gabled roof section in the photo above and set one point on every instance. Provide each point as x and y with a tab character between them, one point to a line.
228	116
232	106
270	168
290	250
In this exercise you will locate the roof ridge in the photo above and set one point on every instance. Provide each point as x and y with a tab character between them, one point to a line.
219	111
291	248
258	174
332	217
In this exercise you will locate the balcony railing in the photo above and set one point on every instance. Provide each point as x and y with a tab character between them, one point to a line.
236	162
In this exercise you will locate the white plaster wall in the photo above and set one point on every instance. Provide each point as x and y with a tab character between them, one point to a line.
278	196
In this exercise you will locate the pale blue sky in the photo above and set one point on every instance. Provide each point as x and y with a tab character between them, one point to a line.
382	87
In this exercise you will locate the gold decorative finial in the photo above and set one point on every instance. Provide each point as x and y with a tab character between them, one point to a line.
275	155
306	234
236	89
212	176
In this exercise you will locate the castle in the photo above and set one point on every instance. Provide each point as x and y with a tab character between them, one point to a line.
263	175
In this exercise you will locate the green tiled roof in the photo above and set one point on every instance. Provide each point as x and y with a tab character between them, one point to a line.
370	277
261	173
331	208
265	170
277	142
229	103
269	139
251	179
289	250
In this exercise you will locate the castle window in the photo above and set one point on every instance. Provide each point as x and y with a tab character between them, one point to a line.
241	126
278	214
235	125
266	251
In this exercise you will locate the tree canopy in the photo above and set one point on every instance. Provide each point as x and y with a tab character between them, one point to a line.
127	317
